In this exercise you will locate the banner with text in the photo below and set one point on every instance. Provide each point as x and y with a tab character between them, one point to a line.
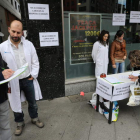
84	30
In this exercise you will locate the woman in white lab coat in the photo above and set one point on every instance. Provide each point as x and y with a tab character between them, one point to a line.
100	58
100	53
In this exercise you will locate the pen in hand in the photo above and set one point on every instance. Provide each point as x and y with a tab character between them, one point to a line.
2	68
7	73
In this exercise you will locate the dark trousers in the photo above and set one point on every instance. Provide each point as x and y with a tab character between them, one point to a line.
5	130
28	88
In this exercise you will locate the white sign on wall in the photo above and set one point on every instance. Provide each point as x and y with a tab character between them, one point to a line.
118	19
134	17
38	11
49	39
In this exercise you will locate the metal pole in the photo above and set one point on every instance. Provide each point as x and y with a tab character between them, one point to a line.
122	6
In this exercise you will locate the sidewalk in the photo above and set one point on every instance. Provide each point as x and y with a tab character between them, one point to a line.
71	118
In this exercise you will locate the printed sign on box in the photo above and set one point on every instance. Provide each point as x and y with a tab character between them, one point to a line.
121	91
104	89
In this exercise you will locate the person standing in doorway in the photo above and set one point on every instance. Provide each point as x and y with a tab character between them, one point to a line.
17	51
118	53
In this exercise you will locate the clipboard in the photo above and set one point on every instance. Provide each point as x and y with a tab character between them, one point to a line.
16	73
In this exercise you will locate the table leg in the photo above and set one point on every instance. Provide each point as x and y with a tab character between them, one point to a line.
110	113
97	103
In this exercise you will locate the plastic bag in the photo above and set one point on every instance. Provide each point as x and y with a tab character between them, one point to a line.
134	99
115	110
93	102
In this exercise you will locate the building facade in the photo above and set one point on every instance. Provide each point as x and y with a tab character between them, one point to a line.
10	10
68	68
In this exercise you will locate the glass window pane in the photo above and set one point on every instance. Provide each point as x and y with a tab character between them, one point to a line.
104	8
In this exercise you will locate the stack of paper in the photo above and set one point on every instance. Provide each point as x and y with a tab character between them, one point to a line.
113	80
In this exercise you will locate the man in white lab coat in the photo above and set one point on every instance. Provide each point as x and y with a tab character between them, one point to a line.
17	51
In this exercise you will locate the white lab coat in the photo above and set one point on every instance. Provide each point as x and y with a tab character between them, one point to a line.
100	58
32	60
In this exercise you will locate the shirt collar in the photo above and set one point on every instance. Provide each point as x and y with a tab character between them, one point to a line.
21	42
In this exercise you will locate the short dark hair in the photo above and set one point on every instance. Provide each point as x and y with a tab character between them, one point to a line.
119	34
100	38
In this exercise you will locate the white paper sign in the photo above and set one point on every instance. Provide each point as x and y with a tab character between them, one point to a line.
121	91
118	19
134	17
104	89
49	39
38	11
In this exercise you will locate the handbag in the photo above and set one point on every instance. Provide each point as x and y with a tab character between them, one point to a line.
134	99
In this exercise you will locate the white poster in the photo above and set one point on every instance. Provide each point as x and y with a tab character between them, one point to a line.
104	89
38	11
49	39
121	91
134	17
118	19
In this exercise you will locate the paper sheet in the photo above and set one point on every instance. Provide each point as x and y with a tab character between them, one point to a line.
113	80
16	73
123	77
135	74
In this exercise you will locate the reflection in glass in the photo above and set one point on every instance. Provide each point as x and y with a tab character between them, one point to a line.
105	8
100	6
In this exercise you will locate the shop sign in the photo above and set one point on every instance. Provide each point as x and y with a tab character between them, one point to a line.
84	31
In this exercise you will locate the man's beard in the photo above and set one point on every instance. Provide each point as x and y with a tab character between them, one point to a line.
15	39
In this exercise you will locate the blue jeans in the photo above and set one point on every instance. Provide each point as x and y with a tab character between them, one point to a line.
119	68
28	88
